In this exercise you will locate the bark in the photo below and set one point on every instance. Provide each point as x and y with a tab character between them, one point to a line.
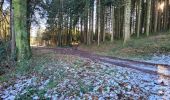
13	43
101	21
168	7
1	15
139	18
104	33
60	24
1	33
148	17
127	15
110	22
113	24
165	14
98	25
20	26
86	30
87	23
156	16
92	24
81	32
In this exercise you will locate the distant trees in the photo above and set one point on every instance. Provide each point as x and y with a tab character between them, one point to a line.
97	19
85	21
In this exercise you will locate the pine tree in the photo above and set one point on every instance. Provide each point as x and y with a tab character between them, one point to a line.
148	16
127	15
139	18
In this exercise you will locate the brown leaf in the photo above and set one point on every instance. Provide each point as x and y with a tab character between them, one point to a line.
95	98
100	89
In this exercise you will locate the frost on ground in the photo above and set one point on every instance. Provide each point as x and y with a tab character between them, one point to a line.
69	77
160	59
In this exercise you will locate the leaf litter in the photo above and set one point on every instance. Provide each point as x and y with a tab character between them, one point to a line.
66	77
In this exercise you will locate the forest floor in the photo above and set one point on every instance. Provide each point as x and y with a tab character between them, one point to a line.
55	74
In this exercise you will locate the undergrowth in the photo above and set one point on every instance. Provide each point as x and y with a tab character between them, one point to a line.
142	47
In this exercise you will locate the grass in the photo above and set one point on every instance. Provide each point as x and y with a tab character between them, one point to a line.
32	91
44	65
136	48
26	68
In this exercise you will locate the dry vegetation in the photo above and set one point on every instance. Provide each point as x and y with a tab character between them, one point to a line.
135	48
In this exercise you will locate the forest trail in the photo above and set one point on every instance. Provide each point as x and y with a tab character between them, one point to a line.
66	74
151	68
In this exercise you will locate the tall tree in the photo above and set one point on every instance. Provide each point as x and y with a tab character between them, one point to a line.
139	18
98	19
165	14
113	24
127	15
148	16
13	43
21	31
1	35
156	16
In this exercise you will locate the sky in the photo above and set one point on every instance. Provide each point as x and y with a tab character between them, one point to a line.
41	25
5	5
34	28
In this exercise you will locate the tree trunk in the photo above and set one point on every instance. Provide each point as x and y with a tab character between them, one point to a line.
101	20
165	14
104	30
113	24
20	26
1	19
81	32
98	17
92	24
60	23
148	17
13	43
156	16
139	18
127	15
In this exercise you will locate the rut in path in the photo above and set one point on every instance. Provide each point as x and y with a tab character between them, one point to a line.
152	68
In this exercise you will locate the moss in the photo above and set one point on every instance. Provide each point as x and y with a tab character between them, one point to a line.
20	26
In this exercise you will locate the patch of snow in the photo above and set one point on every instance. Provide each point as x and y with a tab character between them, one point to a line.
160	59
35	98
93	81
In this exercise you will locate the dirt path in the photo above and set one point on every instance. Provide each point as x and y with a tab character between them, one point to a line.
157	69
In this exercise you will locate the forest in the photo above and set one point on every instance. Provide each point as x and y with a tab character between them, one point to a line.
84	49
